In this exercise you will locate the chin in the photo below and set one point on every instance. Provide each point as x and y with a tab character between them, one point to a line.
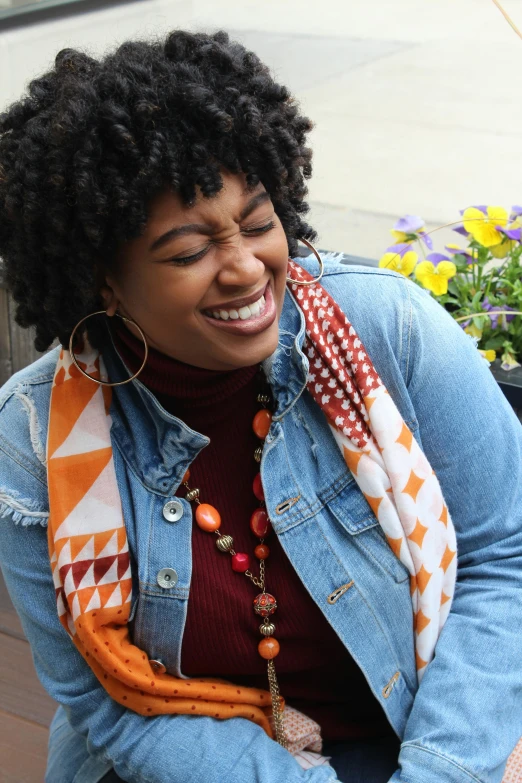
260	348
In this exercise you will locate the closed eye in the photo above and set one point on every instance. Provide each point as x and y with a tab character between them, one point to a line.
253	231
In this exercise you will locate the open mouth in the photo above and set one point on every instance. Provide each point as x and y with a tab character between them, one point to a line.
243	313
248	319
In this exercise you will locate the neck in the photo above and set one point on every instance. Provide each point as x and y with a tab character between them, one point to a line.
182	388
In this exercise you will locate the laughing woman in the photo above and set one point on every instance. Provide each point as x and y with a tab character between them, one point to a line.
261	514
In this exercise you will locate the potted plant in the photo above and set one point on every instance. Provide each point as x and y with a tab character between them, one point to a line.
478	280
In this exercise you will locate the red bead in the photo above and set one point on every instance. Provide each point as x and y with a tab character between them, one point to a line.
268	648
261	551
259	523
261	423
258	488
186	476
265	604
208	517
240	562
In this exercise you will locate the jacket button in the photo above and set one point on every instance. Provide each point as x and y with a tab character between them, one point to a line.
167	577
158	666
172	511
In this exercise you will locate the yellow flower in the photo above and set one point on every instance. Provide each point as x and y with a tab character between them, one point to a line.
435	278
473	330
404	264
482	227
400	237
508	361
490	355
501	251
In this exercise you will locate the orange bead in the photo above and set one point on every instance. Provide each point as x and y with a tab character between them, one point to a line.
186	476
268	648
261	551
260	523
208	517
261	423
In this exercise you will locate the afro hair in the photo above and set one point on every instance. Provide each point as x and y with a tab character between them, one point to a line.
82	155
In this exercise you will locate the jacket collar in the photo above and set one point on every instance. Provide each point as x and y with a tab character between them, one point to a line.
158	446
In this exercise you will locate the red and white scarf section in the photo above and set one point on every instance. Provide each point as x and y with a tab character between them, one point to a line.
385	459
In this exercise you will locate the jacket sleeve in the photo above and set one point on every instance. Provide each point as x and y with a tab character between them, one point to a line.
177	748
467	714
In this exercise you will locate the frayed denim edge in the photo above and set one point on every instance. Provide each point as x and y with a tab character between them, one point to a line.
35	430
11	508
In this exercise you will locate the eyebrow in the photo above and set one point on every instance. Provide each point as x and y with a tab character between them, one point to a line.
203	228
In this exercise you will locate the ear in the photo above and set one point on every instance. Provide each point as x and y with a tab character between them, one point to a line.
110	300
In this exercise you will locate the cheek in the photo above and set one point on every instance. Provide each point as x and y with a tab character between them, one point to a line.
157	303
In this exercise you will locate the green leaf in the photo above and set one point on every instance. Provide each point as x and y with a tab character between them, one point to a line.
494	343
480	321
476	299
453	288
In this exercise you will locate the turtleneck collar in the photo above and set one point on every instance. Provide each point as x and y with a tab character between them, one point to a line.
180	384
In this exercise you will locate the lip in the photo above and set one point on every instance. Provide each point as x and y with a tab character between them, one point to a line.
235	304
251	325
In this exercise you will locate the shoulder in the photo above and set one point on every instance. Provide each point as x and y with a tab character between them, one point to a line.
378	302
24	413
359	288
28	390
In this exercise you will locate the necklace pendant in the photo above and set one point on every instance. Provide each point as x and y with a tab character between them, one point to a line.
265	604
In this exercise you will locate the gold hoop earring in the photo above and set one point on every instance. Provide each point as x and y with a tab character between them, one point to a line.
321	264
107	383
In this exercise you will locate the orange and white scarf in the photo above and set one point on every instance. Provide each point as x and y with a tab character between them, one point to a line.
87	537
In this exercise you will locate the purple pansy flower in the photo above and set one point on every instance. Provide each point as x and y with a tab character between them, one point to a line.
409	224
460	229
511	233
401	248
436	258
496	308
516	211
426	239
461	251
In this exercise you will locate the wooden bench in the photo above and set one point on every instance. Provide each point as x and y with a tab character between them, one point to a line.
26	709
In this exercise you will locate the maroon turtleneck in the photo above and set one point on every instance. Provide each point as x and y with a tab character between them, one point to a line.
316	673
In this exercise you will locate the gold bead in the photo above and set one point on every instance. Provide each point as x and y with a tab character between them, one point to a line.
263	398
225	543
192	494
267	629
257	453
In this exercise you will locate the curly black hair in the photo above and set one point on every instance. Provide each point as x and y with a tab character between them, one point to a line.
83	154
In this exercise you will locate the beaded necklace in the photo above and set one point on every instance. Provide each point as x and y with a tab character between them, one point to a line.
208	519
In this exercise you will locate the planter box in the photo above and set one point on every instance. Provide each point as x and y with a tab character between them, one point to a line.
510	382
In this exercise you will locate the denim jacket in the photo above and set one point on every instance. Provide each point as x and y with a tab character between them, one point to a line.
463	721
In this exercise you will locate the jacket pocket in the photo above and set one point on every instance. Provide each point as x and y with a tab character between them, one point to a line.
351	509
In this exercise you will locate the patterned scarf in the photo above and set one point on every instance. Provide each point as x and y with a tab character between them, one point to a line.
87	538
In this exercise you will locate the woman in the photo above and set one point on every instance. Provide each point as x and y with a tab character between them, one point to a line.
164	186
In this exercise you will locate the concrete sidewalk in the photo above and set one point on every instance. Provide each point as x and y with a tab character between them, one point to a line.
416	104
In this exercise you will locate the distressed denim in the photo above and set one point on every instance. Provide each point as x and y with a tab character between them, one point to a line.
463	721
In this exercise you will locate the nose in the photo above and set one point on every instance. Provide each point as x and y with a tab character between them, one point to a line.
239	267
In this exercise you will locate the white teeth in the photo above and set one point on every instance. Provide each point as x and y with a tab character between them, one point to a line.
244	313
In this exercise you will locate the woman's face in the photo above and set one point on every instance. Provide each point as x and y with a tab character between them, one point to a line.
194	280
